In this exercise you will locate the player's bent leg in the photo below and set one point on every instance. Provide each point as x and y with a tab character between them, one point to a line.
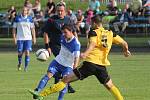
60	85
114	90
42	84
55	88
44	81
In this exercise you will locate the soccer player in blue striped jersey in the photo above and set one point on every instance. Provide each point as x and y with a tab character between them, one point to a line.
65	61
23	35
52	33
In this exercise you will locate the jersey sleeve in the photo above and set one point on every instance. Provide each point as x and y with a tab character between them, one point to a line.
92	36
31	23
117	39
77	50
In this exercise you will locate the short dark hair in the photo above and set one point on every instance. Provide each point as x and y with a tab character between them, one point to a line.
60	4
97	19
67	26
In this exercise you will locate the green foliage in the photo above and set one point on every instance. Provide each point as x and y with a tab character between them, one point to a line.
131	75
74	5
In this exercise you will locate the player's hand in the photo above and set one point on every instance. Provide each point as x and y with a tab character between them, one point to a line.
127	53
49	50
83	55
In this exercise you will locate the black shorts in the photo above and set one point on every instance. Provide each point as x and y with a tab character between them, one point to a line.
88	69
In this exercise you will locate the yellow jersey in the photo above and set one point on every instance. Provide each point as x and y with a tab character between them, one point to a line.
104	40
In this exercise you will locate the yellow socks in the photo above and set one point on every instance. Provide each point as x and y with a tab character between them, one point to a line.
116	93
55	88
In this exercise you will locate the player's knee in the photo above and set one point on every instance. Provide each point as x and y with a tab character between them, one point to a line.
49	75
66	79
109	84
27	52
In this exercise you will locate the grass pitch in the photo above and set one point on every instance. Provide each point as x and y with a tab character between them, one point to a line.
131	75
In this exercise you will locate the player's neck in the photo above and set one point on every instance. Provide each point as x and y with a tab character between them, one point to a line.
70	38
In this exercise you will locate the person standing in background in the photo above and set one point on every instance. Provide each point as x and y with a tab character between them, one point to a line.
23	35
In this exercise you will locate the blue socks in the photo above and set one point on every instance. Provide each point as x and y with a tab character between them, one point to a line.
19	59
27	59
42	83
62	93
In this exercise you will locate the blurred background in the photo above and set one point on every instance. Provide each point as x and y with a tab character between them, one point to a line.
134	27
127	18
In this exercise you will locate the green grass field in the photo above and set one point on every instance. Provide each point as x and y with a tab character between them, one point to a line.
131	75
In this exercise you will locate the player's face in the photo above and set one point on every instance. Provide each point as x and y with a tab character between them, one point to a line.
61	11
25	11
68	34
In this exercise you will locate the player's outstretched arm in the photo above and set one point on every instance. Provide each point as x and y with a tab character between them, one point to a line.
126	51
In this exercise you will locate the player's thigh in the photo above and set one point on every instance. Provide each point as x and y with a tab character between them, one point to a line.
27	46
102	74
87	69
67	71
20	45
52	67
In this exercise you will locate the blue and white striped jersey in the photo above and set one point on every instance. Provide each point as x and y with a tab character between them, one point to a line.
69	50
23	26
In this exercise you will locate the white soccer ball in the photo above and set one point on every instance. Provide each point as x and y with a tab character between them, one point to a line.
42	54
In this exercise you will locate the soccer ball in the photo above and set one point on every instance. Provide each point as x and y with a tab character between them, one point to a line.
42	54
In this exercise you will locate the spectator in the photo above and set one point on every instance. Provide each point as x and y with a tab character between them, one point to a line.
135	6
87	26
112	3
127	7
50	10
95	6
11	14
36	7
90	14
72	16
80	19
122	20
39	21
146	10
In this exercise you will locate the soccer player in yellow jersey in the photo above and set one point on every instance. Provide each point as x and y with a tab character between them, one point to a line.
100	42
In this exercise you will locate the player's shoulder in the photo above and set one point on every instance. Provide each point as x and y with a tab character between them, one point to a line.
92	33
18	16
30	19
53	18
76	42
